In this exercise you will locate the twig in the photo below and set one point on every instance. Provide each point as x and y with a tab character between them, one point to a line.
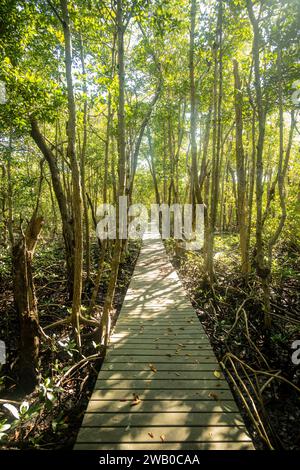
94	357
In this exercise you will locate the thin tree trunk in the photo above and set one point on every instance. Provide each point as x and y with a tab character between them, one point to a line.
252	174
240	168
217	102
105	320
10	194
283	162
82	167
262	269
193	115
151	164
76	184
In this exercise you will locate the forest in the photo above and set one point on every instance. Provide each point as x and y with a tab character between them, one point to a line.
169	102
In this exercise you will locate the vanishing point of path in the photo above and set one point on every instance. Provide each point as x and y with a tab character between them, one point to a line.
160	386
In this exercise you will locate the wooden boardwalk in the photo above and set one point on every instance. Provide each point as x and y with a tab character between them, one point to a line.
160	386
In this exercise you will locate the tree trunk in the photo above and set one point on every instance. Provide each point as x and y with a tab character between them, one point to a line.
105	320
240	168
82	167
196	197
151	164
216	144
76	189
67	223
26	304
262	269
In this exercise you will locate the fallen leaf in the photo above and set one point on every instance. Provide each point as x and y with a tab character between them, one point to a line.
136	400
177	373
162	438
213	395
153	368
217	374
151	435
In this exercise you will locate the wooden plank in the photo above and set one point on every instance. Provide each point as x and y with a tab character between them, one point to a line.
159	374
180	419
247	445
216	396
165	329
139	321
180	352
157	318
171	347
170	434
175	359
157	303
159	406
141	366
156	336
168	328
160	329
170	309
166	384
158	312
169	340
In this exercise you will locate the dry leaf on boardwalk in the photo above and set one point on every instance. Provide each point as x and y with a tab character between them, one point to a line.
153	368
136	400
213	395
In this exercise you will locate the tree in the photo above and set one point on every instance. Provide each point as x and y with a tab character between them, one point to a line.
241	172
26	303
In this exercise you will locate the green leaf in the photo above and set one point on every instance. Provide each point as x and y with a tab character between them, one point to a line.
12	409
24	407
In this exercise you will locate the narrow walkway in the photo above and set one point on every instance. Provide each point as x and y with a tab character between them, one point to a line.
160	386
